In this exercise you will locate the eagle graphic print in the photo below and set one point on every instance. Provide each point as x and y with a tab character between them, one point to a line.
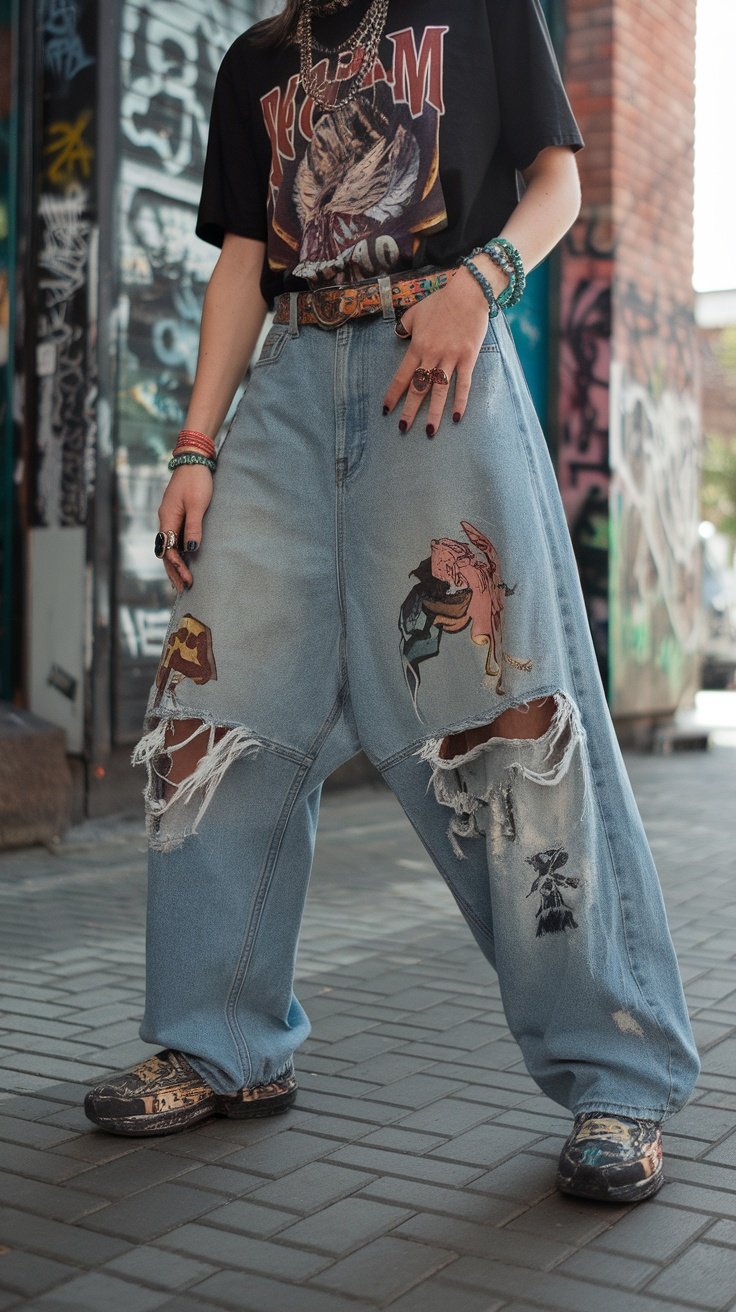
353	190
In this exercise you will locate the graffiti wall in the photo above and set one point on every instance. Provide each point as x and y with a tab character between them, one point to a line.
65	433
171	52
582	457
654	457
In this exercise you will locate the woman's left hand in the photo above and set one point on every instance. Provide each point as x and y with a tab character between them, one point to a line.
447	331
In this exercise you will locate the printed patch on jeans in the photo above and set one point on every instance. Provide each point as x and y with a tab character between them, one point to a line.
460	585
188	654
553	913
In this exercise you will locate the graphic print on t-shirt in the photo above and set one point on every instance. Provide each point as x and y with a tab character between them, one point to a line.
353	189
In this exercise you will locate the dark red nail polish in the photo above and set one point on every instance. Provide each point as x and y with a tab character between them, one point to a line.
192	545
403	425
456	417
431	430
385	409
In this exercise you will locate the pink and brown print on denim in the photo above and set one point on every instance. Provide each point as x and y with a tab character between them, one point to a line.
459	585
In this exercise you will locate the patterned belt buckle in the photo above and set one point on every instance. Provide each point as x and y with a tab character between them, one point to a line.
329	297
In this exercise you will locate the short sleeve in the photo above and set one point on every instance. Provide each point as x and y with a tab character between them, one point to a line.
535	110
233	195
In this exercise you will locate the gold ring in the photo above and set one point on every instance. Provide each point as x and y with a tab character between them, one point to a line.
401	331
439	376
171	539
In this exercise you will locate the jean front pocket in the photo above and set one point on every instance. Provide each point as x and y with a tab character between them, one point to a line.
273	345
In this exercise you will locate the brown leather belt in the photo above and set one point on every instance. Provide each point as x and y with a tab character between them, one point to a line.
328	307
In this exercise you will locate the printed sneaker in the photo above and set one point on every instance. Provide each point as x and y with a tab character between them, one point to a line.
164	1094
614	1159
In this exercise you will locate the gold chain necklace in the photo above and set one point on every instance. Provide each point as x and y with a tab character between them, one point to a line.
367	37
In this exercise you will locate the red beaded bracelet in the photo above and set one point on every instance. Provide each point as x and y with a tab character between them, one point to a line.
196	442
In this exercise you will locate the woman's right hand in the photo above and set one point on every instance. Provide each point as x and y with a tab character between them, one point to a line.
183	506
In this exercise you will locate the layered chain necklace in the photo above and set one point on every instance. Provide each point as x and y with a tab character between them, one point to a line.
366	39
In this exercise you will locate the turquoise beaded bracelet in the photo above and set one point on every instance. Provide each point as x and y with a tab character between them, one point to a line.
490	295
504	253
504	297
192	458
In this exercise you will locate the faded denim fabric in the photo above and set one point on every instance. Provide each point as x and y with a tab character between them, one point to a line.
360	588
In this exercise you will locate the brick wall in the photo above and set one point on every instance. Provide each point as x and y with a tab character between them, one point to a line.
629	398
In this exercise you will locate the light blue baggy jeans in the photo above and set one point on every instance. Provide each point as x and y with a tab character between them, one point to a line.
360	588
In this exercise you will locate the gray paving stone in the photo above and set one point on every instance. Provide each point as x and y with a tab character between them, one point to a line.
568	1220
190	1303
486	1145
31	1134
723	1232
312	1187
400	1140
250	1218
653	1231
38	1234
695	1198
608	1269
26	1273
37	1164
415	1091
704	1275
390	1069
448	1116
223	1247
97	1292
436	1198
248	1293
724	1154
282	1154
436	1295
62	1204
386	1267
525	1177
344	1225
52	1068
154	1266
547	1289
152	1213
381	1161
463	1236
221	1180
132	1172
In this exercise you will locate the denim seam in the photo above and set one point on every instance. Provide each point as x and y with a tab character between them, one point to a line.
623	1109
264	885
555	574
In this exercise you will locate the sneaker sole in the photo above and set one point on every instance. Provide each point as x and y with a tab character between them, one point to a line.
141	1127
608	1193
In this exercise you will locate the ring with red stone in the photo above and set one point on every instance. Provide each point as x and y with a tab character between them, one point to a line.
421	380
401	331
439	376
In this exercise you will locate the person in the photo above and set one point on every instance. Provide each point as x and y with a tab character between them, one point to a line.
382	173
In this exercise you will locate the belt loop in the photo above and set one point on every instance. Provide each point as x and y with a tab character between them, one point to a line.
387	300
293	314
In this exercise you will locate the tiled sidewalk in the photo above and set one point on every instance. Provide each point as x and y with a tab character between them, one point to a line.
416	1170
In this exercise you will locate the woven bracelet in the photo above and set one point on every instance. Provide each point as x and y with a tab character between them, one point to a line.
193	458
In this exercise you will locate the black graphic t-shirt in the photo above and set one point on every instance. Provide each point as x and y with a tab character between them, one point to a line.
415	171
